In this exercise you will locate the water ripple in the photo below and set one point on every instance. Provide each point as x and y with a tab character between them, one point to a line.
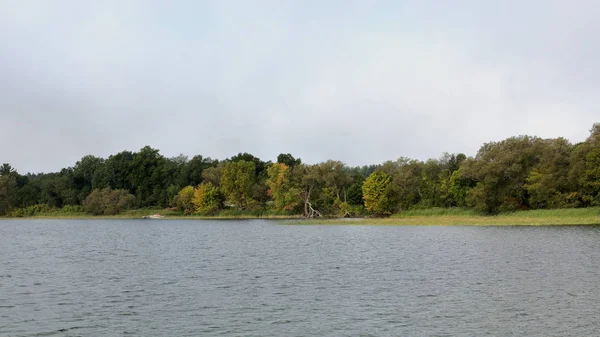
241	278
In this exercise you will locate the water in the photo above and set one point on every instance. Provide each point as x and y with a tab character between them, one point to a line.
260	278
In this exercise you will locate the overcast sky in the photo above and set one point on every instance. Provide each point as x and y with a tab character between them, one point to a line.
359	81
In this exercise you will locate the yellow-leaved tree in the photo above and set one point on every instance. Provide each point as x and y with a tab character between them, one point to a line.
378	194
206	199
285	197
184	200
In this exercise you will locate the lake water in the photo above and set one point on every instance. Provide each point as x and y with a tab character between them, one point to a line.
261	278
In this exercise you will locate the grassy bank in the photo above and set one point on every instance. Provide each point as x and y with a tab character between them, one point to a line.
461	217
433	216
168	214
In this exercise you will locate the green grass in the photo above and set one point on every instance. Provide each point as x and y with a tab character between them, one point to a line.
418	217
562	212
453	211
56	213
461	217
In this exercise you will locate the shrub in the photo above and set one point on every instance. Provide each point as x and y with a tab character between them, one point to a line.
184	200
206	199
108	202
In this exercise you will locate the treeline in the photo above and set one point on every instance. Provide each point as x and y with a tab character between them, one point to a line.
517	173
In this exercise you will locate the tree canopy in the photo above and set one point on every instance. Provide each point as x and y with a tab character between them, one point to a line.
517	173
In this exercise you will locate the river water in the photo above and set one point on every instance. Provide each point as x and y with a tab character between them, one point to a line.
262	278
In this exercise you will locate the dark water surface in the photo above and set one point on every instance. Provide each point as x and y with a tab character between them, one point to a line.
260	278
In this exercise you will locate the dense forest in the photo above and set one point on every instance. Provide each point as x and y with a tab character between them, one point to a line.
517	173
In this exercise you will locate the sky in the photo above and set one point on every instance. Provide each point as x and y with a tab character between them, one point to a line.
358	81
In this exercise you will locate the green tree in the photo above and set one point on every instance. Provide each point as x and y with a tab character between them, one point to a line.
237	181
592	174
213	175
407	181
309	184
6	169
189	172
458	188
8	187
83	175
260	166
355	195
378	194
115	172
288	160
547	184
500	170
431	184
151	174
333	181
107	201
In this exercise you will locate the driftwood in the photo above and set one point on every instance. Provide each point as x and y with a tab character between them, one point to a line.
309	210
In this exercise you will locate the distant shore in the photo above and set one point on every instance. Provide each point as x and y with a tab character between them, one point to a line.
425	217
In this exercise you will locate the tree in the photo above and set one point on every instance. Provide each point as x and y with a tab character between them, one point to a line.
407	181
457	189
259	165
6	169
355	195
107	201
309	184
592	174
284	195
288	160
431	183
58	189
237	181
151	174
213	175
331	194
83	174
378	194
115	172
189	172
500	170
185	199
8	186
206	199
547	184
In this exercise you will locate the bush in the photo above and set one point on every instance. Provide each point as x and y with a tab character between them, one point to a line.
31	211
108	202
206	199
184	200
70	209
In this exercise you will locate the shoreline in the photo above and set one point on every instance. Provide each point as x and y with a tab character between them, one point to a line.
523	218
495	220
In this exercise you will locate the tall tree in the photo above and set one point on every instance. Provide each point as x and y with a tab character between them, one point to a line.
309	182
6	169
378	193
207	199
8	186
185	199
288	160
281	190
83	175
237	180
500	170
151	174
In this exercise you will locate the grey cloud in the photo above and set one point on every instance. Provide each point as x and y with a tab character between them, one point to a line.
361	81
